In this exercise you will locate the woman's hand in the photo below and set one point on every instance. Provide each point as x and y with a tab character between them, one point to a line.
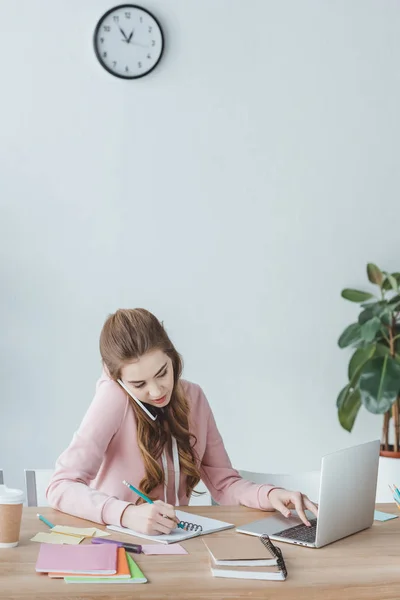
152	519
281	499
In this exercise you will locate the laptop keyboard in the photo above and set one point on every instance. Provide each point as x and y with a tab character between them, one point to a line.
300	532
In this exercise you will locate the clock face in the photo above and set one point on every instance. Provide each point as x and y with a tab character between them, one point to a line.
128	41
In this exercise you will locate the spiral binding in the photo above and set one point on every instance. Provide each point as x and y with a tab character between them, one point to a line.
276	552
187	526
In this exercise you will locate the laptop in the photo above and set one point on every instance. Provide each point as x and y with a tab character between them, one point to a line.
346	501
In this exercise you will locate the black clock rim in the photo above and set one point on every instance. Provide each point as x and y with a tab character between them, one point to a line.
99	23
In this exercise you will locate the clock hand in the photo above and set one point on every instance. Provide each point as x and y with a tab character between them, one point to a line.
123	33
130	37
142	45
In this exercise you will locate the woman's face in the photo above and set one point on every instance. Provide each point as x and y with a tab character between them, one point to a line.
150	378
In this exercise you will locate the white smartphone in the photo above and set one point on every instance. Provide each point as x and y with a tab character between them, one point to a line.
142	406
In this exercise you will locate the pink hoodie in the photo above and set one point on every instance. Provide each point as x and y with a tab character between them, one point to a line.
87	481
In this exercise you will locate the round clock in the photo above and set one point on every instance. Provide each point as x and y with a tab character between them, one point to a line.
128	41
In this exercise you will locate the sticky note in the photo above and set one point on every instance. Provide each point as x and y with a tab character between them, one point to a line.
100	533
167	549
80	531
382	516
56	538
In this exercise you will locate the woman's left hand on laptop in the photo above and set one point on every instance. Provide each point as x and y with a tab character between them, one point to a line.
281	499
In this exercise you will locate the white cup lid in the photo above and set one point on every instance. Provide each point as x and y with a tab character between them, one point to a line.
10	495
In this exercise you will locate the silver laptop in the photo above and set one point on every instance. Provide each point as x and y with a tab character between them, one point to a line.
346	501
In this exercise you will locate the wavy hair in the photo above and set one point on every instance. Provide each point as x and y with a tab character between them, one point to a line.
127	335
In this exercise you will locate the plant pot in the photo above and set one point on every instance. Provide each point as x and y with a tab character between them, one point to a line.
390	453
388	474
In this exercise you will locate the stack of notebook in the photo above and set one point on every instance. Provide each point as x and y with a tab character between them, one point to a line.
245	557
102	563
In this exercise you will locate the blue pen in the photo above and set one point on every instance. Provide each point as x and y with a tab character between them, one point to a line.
145	498
45	521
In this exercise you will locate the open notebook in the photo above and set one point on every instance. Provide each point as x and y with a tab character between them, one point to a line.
206	524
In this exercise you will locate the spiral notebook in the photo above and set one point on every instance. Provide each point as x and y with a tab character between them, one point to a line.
246	559
243	551
194	525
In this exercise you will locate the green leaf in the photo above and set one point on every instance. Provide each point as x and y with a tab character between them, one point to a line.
374	274
342	395
359	358
351	335
370	329
382	309
394	300
390	283
386	315
356	295
348	409
379	384
369	304
365	315
383	350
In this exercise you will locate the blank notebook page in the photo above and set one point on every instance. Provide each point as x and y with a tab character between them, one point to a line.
93	559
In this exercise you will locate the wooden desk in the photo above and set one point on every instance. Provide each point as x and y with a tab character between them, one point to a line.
360	567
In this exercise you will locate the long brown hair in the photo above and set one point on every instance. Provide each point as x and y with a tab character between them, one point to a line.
127	335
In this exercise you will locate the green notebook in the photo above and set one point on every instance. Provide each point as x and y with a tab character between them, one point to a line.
136	576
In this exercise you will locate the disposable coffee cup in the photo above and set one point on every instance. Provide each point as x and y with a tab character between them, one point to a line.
11	502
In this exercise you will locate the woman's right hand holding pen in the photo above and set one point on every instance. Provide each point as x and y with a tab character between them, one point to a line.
151	519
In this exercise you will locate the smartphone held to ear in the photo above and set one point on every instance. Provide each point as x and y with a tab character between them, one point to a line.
150	412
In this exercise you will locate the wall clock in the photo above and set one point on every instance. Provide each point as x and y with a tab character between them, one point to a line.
128	41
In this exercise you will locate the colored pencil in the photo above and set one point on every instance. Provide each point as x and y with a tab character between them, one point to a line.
45	521
146	499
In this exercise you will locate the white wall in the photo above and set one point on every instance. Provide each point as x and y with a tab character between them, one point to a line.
233	192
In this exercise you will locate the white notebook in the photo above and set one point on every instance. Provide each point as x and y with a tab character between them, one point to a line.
178	535
265	573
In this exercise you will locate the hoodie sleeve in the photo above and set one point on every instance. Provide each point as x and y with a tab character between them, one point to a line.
79	464
224	483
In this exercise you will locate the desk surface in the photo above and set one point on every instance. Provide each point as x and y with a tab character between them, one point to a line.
363	566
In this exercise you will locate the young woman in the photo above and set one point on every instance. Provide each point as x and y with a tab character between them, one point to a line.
148	426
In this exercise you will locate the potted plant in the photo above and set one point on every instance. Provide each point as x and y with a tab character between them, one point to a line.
374	367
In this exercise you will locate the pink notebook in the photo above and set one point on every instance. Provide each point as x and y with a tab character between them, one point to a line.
88	559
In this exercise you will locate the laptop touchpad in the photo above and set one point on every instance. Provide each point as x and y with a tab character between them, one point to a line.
279	522
273	524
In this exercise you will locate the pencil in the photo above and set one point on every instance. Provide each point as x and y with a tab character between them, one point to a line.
138	492
397	496
45	521
394	495
146	498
